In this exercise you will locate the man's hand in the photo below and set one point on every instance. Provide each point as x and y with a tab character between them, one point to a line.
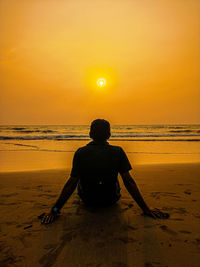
47	218
156	214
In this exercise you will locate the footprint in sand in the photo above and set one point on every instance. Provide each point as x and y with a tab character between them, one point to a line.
11	223
119	264
127	240
187	192
196	216
24	187
8	258
185	232
167	230
51	256
183	184
126	206
198	241
158	195
175	210
47	195
38	187
177	219
128	227
132	227
50	246
9	195
148	264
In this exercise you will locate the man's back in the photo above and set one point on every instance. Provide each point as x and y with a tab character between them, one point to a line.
97	165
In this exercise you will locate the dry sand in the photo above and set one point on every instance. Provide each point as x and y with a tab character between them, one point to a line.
115	236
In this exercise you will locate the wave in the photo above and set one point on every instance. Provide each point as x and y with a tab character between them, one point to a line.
181	131
35	131
17	128
43	137
113	137
115	134
177	127
159	140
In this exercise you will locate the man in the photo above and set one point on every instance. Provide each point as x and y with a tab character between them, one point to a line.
95	170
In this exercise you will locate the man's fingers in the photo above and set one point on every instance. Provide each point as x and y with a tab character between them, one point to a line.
45	218
51	218
48	218
150	214
157	213
161	215
153	215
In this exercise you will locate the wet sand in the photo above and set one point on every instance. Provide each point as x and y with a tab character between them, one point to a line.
115	236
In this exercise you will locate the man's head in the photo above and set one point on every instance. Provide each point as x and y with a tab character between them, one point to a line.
100	130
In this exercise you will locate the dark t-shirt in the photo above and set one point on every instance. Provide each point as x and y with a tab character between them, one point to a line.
97	166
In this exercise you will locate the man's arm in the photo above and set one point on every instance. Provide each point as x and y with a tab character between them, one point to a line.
135	193
67	191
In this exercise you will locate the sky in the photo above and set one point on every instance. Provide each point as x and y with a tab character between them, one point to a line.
53	52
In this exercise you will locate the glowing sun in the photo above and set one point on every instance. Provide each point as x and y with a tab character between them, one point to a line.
101	82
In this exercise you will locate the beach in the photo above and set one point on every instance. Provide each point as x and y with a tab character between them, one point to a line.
115	236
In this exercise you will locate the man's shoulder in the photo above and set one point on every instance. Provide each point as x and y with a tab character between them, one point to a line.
80	149
88	146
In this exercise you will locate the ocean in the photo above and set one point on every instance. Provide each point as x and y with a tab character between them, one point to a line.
20	145
119	132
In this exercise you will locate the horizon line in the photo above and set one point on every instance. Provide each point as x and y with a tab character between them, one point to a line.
89	124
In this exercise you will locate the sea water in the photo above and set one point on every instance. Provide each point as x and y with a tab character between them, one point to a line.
31	147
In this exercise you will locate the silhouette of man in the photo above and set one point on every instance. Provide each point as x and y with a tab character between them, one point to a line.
95	171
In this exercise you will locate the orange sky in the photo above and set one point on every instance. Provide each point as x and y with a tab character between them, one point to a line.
53	52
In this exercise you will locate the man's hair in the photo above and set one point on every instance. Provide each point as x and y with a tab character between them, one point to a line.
100	130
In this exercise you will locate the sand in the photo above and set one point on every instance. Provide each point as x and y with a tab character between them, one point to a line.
114	236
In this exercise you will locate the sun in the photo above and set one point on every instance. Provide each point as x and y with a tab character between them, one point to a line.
101	82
